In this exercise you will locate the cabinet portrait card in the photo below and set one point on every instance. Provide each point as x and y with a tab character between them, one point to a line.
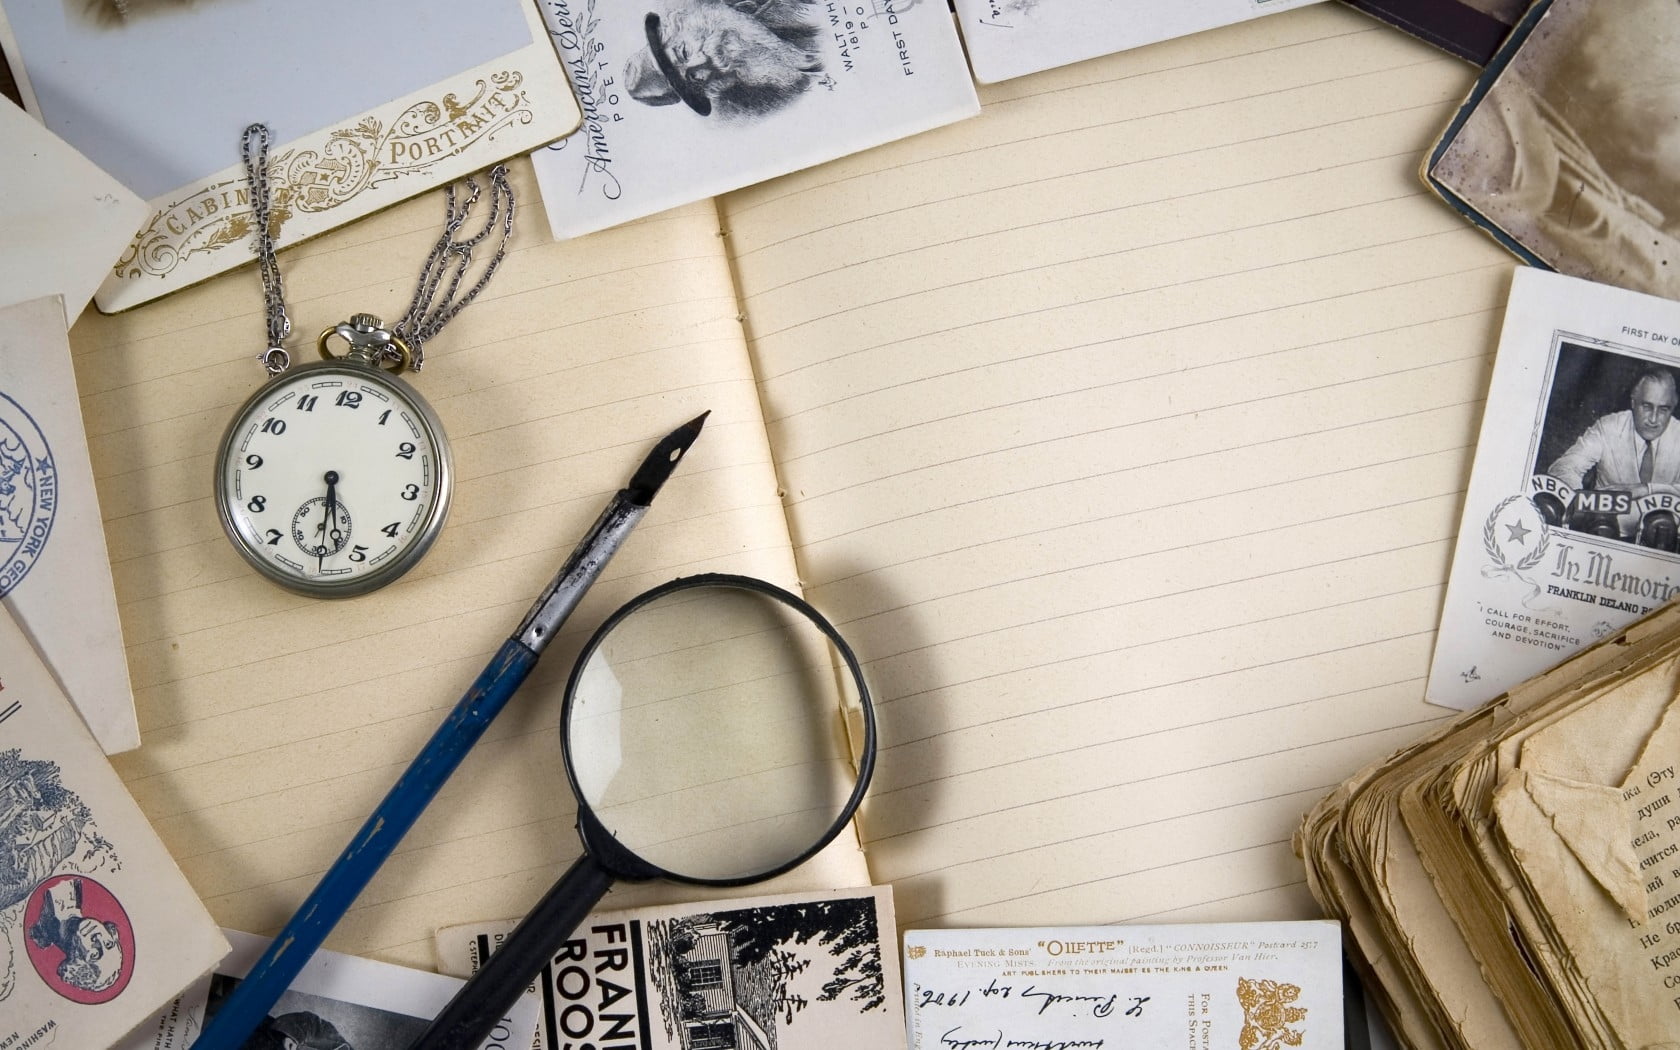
369	103
1571	525
688	99
1011	38
1566	148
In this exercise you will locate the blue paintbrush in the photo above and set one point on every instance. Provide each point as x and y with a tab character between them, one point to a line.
251	1000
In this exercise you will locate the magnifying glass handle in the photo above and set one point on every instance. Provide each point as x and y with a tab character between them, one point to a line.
488	995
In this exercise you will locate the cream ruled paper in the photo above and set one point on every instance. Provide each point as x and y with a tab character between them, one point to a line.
272	724
1125	429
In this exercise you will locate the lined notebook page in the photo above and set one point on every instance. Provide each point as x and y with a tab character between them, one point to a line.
1124	430
271	723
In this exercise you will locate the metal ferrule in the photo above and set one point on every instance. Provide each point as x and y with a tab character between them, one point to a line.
564	592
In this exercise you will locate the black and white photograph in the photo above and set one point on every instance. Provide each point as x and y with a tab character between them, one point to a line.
731	61
733	979
688	99
799	971
1567	149
300	1021
1608	436
336	1002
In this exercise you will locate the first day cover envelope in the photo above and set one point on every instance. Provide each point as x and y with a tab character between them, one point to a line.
1568	532
1259	986
369	104
1011	38
687	99
55	570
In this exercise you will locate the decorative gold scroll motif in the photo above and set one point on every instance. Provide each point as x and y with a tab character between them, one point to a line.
319	179
1267	1014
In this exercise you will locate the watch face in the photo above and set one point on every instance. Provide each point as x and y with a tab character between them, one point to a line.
334	479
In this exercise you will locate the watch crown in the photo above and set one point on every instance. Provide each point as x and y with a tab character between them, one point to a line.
366	322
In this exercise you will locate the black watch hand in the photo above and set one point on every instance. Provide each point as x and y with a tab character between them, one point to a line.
331	519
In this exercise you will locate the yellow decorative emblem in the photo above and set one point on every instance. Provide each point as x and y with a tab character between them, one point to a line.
1267	1014
916	951
331	172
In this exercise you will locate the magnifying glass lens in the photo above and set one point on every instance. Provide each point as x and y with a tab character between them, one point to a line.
706	733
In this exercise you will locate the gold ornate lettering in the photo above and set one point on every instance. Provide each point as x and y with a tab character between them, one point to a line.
321	177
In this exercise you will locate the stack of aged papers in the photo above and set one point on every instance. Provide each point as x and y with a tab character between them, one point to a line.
1514	879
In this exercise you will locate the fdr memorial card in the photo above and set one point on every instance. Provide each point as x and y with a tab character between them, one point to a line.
1571	524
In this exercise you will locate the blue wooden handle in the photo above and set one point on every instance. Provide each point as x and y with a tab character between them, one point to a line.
251	1000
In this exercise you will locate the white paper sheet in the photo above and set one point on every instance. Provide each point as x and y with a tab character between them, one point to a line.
1011	38
63	221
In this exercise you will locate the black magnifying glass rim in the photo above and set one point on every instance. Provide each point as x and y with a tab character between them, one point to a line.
619	859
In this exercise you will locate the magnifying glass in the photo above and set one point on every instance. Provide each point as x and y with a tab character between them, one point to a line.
707	739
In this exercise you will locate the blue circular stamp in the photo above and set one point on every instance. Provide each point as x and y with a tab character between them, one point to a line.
28	493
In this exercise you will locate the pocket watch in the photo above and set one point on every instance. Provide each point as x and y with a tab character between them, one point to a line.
335	477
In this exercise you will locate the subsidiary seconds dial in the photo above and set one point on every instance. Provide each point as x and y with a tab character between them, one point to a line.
333	479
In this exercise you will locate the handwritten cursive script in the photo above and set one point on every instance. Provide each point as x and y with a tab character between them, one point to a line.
954	1038
1101	1005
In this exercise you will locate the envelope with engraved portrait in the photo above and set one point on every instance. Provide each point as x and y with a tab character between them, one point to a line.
1255	985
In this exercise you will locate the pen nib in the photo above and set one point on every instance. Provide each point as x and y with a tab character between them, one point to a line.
659	464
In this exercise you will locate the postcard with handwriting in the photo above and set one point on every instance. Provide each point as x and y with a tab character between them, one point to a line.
805	971
65	220
687	99
1011	38
98	927
1571	524
370	103
1261	986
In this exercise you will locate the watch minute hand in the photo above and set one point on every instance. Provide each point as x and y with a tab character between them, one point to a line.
331	516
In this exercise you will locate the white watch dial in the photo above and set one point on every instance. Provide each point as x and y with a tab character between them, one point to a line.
334	479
